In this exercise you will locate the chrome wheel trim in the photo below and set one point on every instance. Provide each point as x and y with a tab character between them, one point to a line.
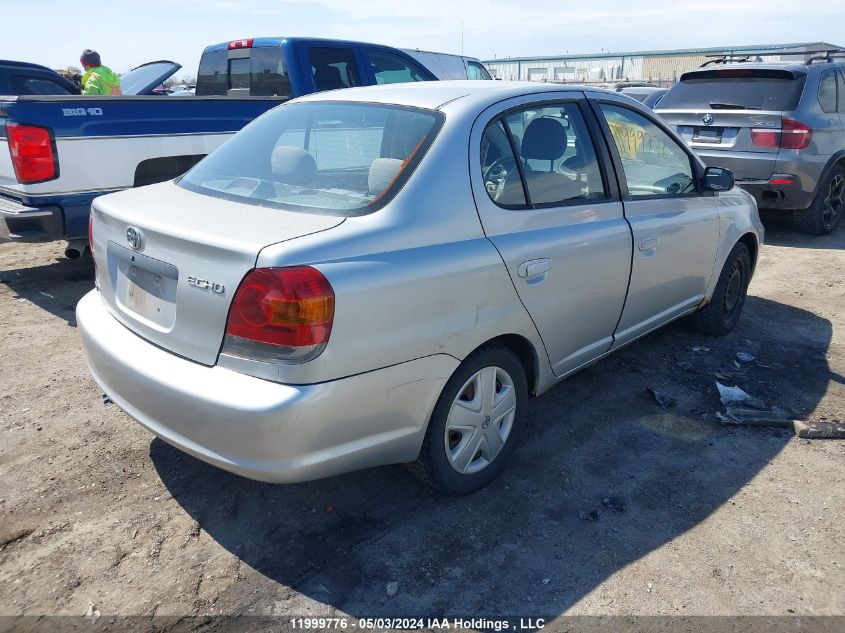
480	420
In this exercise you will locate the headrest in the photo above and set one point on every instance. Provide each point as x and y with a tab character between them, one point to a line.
293	165
382	173
544	139
328	78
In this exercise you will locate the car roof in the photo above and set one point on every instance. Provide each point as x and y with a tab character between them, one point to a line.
435	94
8	62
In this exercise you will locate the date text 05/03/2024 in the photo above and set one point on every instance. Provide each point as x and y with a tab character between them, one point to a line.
410	624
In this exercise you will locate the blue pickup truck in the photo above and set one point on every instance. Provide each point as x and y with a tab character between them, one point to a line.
63	151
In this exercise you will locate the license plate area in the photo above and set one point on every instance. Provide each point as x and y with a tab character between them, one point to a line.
707	135
144	288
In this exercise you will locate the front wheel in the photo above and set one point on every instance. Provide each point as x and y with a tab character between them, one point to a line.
720	316
476	422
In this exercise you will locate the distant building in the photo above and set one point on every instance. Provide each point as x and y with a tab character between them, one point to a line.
660	67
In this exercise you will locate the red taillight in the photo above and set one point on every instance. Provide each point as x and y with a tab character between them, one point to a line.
792	135
765	138
33	152
240	44
288	312
795	135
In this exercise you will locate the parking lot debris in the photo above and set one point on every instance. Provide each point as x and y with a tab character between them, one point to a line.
392	588
742	408
662	399
732	396
819	429
93	613
697	348
616	504
744	357
106	400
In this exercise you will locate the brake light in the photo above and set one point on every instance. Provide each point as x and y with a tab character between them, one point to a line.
792	135
280	315
765	138
795	135
33	150
240	44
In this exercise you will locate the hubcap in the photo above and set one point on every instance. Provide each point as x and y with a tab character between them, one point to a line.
834	202
733	291
480	420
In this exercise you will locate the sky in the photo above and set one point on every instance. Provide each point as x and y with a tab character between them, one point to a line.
129	33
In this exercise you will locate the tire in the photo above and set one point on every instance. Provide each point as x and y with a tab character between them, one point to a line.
464	460
722	313
827	208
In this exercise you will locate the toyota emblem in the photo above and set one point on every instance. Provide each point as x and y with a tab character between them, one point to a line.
707	118
134	237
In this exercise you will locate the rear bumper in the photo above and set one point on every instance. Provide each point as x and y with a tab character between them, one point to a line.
774	194
261	429
45	218
30	223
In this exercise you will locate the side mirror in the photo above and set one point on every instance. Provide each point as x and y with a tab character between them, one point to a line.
717	179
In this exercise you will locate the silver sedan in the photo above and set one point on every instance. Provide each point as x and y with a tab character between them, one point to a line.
385	274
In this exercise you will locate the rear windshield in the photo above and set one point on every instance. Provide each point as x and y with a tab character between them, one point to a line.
740	92
335	158
263	73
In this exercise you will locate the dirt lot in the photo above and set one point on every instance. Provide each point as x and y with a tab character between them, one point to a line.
612	505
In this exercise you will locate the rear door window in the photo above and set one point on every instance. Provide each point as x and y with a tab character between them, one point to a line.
333	68
827	92
393	69
735	90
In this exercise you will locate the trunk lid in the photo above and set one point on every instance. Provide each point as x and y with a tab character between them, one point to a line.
174	289
142	79
723	138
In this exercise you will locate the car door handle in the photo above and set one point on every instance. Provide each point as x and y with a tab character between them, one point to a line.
648	245
534	268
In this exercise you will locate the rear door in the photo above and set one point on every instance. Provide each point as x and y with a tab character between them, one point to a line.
675	226
547	204
731	116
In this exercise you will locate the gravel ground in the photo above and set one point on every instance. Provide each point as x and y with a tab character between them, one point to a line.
612	505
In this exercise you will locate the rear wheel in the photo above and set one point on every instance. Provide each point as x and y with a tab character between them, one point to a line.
827	209
476	422
720	316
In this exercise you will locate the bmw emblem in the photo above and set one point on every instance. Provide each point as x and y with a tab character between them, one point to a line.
707	118
134	237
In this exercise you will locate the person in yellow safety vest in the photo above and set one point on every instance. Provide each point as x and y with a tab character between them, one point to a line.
98	79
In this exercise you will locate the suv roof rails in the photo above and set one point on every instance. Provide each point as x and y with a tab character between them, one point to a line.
823	55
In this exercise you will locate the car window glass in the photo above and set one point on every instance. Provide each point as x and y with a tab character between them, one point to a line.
239	73
212	77
333	68
37	86
498	167
323	157
827	92
841	81
477	71
392	69
557	154
269	75
654	164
